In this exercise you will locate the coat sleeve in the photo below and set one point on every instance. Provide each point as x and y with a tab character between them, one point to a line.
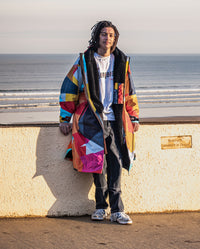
69	92
131	98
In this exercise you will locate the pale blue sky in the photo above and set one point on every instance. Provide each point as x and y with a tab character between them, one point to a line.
63	26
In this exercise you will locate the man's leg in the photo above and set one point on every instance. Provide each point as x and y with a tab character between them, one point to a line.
101	192
100	182
114	170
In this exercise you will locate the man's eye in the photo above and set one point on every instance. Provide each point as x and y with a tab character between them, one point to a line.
105	34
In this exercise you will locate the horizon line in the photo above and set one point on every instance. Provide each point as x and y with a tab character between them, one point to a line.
130	53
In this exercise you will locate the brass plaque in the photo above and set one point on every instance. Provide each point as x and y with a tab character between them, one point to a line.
176	142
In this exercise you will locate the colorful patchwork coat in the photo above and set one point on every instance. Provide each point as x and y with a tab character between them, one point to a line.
80	97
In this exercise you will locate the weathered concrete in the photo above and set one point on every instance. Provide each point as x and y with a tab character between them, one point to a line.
35	179
153	231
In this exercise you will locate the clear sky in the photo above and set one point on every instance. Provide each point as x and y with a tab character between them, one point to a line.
63	26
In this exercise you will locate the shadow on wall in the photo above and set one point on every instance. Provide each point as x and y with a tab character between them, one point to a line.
70	188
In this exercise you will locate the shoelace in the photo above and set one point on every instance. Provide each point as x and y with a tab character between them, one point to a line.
100	211
123	215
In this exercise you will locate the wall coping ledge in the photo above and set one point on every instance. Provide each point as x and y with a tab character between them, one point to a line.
143	121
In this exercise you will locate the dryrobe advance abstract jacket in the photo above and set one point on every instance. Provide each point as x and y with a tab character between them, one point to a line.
80	96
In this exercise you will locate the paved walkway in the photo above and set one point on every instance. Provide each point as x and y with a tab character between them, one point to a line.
177	230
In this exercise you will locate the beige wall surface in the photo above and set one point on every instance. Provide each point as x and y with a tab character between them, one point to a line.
36	180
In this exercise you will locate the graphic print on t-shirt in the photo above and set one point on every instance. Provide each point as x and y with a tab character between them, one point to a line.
105	74
105	66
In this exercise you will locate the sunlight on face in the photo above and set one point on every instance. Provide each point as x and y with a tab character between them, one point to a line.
106	38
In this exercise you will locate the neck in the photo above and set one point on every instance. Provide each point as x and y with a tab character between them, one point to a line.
103	52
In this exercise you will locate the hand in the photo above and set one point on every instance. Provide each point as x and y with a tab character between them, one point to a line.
65	128
135	126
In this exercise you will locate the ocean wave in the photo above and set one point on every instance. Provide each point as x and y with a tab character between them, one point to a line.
29	105
139	90
160	90
40	98
28	92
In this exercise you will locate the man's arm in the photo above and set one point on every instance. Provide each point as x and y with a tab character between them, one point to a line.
131	100
69	94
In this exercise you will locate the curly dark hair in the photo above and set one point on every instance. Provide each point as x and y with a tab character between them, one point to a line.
96	29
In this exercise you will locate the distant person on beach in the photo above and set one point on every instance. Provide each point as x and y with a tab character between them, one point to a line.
99	92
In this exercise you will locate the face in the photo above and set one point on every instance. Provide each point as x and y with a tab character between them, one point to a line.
106	38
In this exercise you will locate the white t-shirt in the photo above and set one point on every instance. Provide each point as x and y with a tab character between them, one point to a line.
105	66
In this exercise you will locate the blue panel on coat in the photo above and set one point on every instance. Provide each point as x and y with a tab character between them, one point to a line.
90	128
68	86
64	113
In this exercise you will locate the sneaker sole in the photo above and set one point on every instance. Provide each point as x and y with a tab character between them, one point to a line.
98	218
123	223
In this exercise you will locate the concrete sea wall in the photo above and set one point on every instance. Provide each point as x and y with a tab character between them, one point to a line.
36	180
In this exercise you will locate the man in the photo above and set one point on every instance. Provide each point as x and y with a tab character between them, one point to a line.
99	91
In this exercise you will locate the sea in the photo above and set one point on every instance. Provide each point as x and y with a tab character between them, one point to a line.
32	82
